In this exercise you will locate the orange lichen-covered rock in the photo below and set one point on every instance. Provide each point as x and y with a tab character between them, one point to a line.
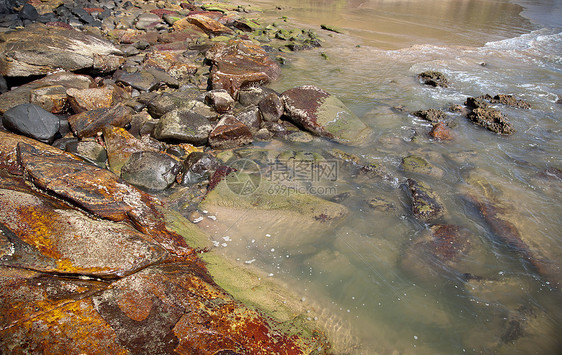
89	123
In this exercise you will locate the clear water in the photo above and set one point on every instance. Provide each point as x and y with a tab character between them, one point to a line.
356	270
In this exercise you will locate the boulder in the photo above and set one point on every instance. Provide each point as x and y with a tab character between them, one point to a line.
251	117
238	64
183	126
252	95
120	145
426	205
89	123
491	119
229	133
151	171
90	99
431	115
271	107
208	24
162	104
324	115
419	165
433	78
39	50
32	121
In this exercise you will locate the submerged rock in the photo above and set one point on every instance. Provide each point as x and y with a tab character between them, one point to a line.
441	131
32	121
419	165
198	167
433	78
39	50
426	205
323	114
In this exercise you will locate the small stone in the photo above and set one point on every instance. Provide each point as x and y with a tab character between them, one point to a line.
251	117
252	95
220	100
120	145
271	107
198	167
209	25
151	171
263	135
32	121
183	126
3	85
230	133
441	132
381	205
148	21
433	78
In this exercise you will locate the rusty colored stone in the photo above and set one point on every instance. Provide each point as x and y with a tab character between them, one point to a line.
90	99
207	24
8	151
441	132
120	145
167	59
89	123
239	64
51	98
100	192
230	133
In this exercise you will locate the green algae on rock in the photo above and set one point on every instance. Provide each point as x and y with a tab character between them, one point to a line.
426	205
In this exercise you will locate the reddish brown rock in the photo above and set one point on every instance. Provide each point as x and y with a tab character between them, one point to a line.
171	60
239	64
207	24
90	99
230	133
51	98
441	132
89	123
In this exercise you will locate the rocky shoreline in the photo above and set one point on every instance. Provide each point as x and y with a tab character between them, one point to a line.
115	113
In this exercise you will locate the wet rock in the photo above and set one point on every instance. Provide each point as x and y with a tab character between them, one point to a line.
381	205
220	100
22	94
198	167
120	145
271	107
140	80
78	182
431	115
252	95
230	133
209	25
239	64
251	117
324	115
418	165
491	119
167	102
441	131
507	100
90	99
51	98
426	205
3	85
39	50
32	121
263	135
170	61
89	123
476	102
151	171
90	150
433	78
277	129
183	126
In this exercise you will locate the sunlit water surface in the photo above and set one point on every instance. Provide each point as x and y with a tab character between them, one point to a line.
356	270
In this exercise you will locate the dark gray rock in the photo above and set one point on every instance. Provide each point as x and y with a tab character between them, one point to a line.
151	171
140	80
251	117
433	78
183	126
252	95
162	104
28	12
3	85
198	167
32	121
271	107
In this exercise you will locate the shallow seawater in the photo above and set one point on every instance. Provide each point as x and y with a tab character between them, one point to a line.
380	293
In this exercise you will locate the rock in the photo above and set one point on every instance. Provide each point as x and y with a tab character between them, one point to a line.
90	99
198	167
431	115
433	78
148	21
271	107
418	165
167	102
140	80
89	123
209	25
120	145
507	100
47	236
263	135
90	150
251	117
78	182
381	205
39	50
426	205
476	102
32	121
220	100
183	126
230	133
252	95
151	171
3	85
51	98
238	64
22	94
441	131
491	119
324	115
170	61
